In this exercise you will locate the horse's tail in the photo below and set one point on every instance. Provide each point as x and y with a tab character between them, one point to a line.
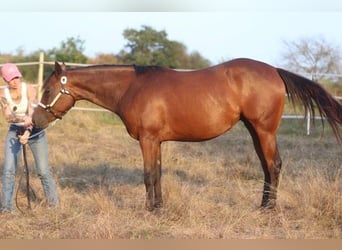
311	95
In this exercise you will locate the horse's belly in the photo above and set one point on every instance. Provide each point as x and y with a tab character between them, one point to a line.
205	128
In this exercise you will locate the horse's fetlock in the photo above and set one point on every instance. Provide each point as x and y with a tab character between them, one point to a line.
158	203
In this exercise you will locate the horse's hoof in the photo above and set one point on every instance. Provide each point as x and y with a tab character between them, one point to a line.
270	204
158	204
149	207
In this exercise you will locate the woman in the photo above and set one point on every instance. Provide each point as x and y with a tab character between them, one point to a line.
17	101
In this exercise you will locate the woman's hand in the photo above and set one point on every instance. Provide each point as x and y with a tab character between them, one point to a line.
23	139
5	107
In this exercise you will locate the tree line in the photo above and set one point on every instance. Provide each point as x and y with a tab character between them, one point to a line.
147	46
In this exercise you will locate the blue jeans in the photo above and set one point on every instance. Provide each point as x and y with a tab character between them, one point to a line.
39	148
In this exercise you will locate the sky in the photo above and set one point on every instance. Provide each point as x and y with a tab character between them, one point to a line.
223	30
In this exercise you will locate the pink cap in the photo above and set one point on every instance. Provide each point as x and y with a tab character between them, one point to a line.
10	71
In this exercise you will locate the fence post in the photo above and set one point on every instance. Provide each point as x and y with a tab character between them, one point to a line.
308	122
308	115
40	74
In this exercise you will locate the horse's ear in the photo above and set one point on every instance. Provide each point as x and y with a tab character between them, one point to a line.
58	68
63	66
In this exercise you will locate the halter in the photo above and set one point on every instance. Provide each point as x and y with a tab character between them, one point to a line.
49	107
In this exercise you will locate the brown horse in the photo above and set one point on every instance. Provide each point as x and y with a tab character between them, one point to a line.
159	104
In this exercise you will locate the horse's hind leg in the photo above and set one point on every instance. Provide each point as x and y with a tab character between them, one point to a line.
267	150
272	168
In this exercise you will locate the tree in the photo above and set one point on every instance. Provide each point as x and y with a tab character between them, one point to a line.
150	47
312	56
70	50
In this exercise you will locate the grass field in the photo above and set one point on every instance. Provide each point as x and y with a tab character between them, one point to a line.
211	189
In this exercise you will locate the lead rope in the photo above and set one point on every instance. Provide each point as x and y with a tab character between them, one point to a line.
42	131
28	186
26	170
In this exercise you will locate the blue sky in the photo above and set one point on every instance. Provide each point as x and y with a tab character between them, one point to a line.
224	30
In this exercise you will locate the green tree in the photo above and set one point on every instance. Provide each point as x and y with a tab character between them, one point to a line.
70	50
148	46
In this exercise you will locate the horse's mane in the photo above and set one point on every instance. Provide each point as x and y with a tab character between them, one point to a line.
139	69
101	66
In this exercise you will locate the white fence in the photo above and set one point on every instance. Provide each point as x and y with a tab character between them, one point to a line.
41	64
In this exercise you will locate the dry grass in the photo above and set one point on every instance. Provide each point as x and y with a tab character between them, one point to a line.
211	189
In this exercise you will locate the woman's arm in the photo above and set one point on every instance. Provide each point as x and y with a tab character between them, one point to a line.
6	110
32	101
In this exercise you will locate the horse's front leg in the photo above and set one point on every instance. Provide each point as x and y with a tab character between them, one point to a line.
152	172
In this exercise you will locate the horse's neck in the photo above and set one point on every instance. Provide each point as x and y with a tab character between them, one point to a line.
106	90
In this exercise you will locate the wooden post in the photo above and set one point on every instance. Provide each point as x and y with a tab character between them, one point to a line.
308	122
308	115
40	74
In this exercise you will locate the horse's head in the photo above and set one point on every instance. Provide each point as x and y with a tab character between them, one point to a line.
56	99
